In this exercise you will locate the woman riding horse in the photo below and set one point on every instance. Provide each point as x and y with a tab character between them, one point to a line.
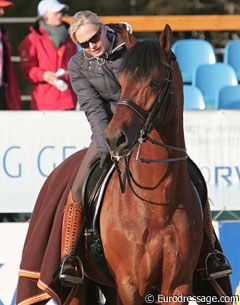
93	72
152	231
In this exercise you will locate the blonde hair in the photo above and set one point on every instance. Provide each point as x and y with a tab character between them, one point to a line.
80	18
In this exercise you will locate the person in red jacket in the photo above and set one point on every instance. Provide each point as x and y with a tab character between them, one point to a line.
9	89
45	53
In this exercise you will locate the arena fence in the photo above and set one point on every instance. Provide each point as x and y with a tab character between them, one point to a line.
157	23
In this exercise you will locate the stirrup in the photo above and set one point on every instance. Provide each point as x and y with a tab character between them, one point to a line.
204	272
71	279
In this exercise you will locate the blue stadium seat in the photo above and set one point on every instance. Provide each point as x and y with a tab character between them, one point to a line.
211	78
190	54
193	98
232	56
229	97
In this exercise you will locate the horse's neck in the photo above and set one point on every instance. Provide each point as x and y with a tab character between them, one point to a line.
158	150
158	173
171	135
170	130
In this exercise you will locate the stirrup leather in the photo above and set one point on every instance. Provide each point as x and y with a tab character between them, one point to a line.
204	272
78	266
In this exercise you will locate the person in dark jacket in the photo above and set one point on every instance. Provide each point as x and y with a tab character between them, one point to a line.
9	88
93	73
45	53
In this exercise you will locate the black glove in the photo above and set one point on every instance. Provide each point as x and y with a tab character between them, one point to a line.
103	156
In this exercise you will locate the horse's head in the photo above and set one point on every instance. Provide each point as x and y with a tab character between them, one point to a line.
147	81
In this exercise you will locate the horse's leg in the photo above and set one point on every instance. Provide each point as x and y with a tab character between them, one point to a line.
180	254
179	295
128	293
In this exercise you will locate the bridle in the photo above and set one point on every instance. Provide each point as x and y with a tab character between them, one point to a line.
150	117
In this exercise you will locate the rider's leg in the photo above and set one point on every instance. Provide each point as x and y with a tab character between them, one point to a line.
82	172
213	261
71	267
72	224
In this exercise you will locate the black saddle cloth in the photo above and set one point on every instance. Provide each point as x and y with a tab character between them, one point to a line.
198	181
91	188
90	193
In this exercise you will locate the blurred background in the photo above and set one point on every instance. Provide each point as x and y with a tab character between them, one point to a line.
25	8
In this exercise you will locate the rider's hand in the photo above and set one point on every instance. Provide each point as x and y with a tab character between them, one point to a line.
103	156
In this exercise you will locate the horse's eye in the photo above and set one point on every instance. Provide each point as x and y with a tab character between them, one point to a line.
154	83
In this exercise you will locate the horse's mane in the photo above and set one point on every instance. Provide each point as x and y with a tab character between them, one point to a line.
142	58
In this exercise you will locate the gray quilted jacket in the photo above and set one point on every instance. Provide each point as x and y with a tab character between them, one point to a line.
96	86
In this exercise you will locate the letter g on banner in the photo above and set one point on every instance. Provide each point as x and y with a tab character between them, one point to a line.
40	161
8	163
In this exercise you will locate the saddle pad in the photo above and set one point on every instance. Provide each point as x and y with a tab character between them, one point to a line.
91	188
93	191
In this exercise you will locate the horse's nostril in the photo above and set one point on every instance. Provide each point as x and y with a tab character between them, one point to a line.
121	139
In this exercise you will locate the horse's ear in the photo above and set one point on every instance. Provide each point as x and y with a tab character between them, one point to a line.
129	39
124	29
165	40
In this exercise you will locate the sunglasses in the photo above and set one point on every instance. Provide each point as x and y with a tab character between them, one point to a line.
95	38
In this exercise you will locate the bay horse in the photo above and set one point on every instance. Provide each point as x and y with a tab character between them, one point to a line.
151	219
151	222
157	220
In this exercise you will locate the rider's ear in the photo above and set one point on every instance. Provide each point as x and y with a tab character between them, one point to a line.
165	40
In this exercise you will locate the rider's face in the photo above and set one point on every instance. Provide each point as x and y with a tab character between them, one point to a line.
92	37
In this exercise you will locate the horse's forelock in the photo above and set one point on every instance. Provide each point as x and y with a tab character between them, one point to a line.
142	58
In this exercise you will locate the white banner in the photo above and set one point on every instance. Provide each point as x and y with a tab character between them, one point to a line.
213	142
12	237
33	143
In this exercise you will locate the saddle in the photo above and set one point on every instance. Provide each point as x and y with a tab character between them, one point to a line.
94	181
198	181
92	193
